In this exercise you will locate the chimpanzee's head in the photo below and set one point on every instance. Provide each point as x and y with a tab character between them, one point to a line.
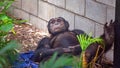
57	25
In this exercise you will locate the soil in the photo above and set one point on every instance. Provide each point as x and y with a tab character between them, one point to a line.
27	35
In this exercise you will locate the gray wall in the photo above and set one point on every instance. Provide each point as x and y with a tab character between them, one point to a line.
88	15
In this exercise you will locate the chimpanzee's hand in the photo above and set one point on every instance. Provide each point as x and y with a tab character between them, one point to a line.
67	50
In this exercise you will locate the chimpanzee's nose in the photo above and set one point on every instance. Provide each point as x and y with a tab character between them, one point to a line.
56	23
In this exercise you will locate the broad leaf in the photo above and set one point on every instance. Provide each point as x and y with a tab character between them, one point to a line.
9	46
6	27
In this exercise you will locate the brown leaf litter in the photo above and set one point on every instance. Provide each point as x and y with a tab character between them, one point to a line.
27	35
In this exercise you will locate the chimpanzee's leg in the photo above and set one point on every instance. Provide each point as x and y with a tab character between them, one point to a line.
42	45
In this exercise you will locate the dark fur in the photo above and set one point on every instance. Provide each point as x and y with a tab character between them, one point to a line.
108	40
108	35
58	41
65	41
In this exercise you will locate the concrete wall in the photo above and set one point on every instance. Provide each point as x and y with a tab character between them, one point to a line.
88	15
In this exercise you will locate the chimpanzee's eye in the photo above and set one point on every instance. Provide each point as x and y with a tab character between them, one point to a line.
52	21
59	20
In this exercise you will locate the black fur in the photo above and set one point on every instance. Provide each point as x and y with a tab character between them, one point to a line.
58	41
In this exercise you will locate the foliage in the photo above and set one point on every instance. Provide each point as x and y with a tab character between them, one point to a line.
6	24
7	47
5	4
8	54
76	62
85	41
55	62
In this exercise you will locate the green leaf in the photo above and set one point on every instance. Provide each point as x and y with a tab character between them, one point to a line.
13	31
9	46
3	16
2	34
1	66
6	27
9	3
2	60
62	61
85	41
6	5
1	4
55	62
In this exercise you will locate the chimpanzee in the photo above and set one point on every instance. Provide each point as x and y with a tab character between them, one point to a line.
108	35
108	40
62	40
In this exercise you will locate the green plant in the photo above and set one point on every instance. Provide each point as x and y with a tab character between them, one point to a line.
85	41
6	25
8	54
7	47
55	62
5	4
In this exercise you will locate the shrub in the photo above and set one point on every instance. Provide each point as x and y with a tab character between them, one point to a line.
55	62
7	47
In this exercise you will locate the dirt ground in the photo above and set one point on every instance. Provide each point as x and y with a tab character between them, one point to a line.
27	35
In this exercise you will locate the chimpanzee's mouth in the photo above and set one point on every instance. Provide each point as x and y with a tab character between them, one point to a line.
57	29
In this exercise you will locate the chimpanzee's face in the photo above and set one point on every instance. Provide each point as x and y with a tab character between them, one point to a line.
57	25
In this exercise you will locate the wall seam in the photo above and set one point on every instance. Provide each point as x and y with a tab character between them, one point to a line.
85	8
37	7
103	3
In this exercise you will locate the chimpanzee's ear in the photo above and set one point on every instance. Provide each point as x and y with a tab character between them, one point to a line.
65	21
66	24
48	26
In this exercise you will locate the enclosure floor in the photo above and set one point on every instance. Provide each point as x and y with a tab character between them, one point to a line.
27	35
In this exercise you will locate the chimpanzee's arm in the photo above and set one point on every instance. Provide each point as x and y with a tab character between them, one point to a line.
71	49
45	52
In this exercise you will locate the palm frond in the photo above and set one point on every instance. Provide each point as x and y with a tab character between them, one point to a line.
86	40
